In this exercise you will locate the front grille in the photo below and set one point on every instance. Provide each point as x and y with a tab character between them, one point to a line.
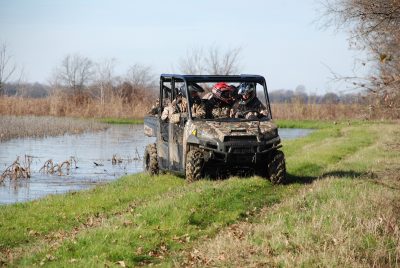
240	138
243	150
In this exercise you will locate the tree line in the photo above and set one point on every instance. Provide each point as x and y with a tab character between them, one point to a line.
83	78
39	90
80	76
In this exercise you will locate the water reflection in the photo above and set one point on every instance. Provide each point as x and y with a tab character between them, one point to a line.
94	153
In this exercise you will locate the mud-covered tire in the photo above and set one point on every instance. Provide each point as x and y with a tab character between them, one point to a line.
276	170
150	162
194	165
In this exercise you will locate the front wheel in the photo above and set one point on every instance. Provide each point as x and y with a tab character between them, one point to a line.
194	165
150	161
277	168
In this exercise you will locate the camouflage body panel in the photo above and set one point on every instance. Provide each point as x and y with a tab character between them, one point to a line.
150	125
220	132
190	127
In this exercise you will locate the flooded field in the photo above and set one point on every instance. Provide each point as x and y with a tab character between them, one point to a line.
100	157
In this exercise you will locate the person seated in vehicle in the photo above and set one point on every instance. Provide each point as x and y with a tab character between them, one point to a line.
248	106
198	105
179	105
220	101
154	110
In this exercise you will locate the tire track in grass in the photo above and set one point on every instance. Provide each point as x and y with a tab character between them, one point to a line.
309	163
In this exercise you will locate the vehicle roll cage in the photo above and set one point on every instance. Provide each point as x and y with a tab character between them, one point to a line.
187	79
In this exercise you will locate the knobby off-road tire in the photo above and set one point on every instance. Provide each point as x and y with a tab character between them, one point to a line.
277	168
150	159
194	165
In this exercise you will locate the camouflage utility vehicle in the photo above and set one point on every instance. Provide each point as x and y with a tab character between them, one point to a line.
211	142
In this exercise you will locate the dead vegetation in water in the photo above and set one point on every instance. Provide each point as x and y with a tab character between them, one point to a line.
49	167
116	159
18	170
33	126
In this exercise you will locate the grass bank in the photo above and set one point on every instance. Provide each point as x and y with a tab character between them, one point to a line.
121	121
146	220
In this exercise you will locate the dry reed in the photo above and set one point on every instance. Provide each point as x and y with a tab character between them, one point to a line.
62	105
313	111
33	126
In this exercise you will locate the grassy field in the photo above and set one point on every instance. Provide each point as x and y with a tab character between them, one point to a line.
340	208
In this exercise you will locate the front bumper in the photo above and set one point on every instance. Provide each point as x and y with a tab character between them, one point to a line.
239	152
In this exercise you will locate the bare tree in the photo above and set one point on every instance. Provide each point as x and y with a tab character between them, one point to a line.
213	61
7	67
75	72
140	76
139	85
104	77
222	63
375	28
193	63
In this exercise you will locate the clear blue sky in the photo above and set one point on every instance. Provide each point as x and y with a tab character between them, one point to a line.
279	39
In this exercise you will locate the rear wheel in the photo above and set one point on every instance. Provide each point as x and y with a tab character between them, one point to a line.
150	159
277	168
194	165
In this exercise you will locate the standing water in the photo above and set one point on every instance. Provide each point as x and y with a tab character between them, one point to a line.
94	154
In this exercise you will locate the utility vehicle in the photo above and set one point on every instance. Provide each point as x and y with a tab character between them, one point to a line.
198	147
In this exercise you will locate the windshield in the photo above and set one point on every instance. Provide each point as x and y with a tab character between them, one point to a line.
228	101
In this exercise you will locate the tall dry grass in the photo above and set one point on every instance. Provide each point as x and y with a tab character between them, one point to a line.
316	111
31	126
118	107
64	105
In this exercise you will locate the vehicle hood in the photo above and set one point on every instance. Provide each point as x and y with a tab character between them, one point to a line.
219	130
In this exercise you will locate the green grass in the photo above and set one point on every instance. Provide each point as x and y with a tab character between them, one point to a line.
320	124
121	121
64	212
141	219
345	219
304	124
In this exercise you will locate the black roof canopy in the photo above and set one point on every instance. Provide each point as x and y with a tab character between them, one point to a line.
214	78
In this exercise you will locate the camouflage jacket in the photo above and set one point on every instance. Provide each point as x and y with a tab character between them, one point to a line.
214	109
155	107
180	106
252	110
